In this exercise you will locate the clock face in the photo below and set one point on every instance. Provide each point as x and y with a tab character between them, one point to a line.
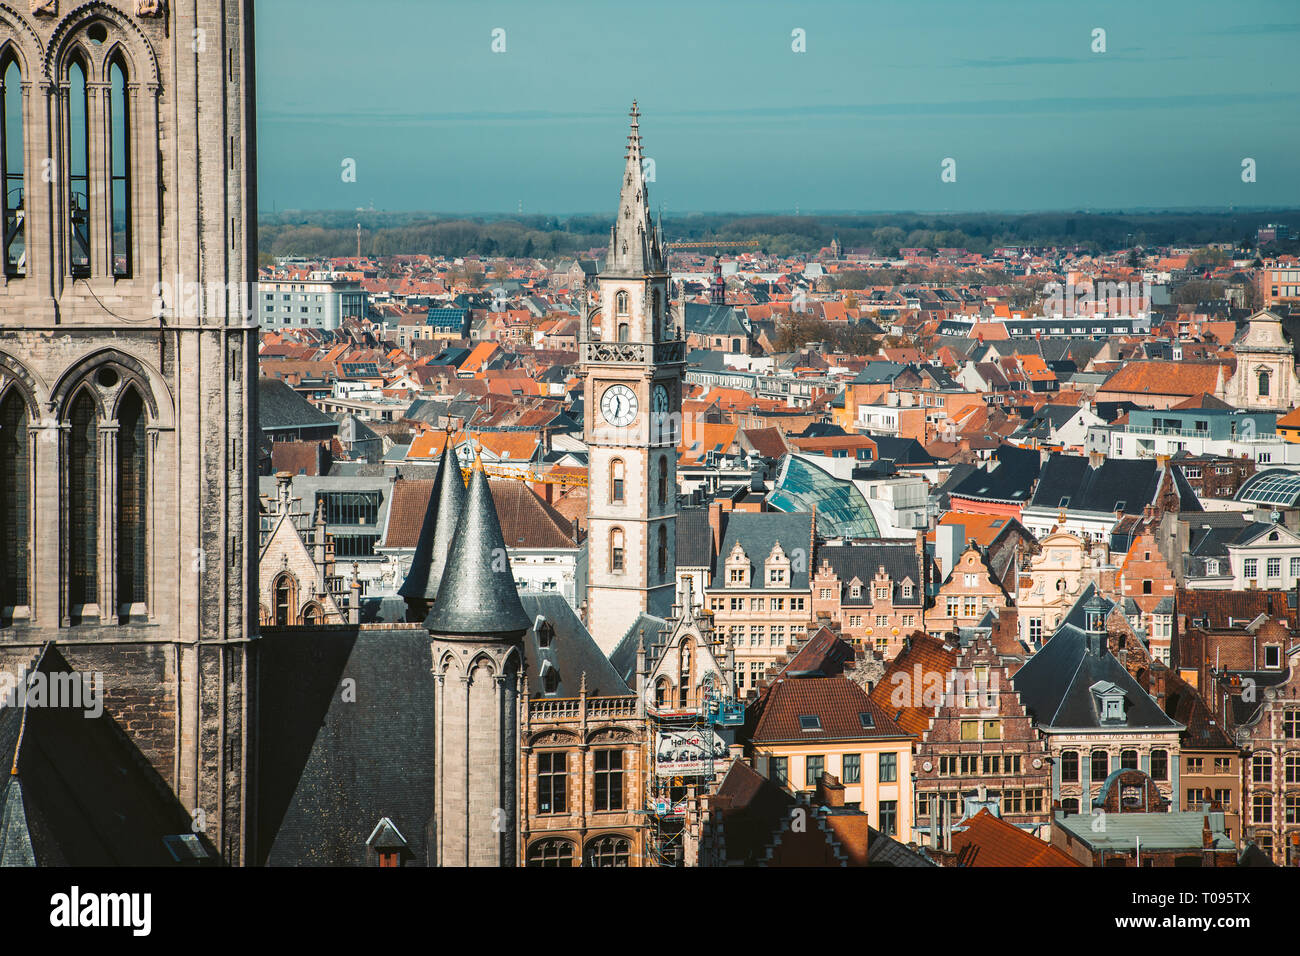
618	405
661	400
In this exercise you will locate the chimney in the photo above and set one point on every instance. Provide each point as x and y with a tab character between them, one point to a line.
1207	836
1095	458
830	792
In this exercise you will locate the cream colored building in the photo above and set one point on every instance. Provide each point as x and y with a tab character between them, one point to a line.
1265	379
1053	580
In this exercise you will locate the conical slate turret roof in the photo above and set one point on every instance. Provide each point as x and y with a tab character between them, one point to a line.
446	501
477	594
635	243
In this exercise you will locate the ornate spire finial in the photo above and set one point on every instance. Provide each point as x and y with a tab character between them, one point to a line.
478	456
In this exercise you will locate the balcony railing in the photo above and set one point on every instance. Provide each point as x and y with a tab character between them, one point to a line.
634	353
570	708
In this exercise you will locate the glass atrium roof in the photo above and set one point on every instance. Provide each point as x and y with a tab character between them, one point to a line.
841	509
1274	486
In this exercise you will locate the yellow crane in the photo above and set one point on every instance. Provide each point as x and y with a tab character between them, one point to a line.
722	244
529	476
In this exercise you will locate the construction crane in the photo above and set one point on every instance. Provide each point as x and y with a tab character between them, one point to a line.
529	476
720	244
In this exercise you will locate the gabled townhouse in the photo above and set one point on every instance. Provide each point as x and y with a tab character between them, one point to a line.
873	590
1052	580
980	749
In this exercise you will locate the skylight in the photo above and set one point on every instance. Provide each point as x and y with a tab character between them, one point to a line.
868	722
810	722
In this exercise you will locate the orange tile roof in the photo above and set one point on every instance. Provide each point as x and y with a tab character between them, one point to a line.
896	693
985	840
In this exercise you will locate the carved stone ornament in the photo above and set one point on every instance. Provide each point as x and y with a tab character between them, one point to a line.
148	8
45	8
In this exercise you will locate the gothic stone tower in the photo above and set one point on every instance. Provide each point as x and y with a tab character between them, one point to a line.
633	359
476	627
127	356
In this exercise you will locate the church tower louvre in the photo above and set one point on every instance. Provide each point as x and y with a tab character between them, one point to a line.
476	628
128	522
633	362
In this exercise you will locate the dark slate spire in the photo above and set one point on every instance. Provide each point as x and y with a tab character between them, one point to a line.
635	244
477	596
446	501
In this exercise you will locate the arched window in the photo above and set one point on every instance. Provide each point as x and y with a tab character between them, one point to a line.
13	500
663	482
620	304
83	501
312	615
1263	384
11	167
551	853
284	601
78	127
656	306
663	551
616	550
1128	759
661	691
119	126
616	481
684	673
608	851
132	502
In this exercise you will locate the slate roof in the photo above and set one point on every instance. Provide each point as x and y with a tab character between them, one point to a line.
1012	479
1116	485
862	560
706	319
757	533
79	792
330	769
477	595
879	373
902	451
1056	683
280	407
645	628
571	652
694	538
1157	830
442	506
526	520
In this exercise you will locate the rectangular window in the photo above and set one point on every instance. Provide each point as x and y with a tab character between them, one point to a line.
552	777
814	764
1274	567
1159	765
1291	724
609	779
1100	765
970	730
852	768
350	507
992	730
781	770
889	768
1250	568
889	817
1261	806
1195	764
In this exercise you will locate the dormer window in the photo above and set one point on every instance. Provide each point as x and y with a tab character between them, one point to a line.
1110	702
545	634
1272	656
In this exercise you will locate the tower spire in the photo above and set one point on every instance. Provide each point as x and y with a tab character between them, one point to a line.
446	501
477	596
634	244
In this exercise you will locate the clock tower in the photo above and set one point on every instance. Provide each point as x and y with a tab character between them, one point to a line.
633	356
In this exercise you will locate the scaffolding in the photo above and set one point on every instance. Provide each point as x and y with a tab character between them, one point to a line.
674	800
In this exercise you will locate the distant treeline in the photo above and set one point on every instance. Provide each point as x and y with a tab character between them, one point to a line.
333	233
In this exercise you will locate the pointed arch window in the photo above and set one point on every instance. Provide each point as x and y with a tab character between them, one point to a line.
616	553
78	139
684	673
663	551
663	482
119	126
83	501
616	481
282	614
620	304
132	502
11	167
13	500
624	330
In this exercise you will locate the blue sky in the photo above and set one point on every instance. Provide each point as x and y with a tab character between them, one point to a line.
412	91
